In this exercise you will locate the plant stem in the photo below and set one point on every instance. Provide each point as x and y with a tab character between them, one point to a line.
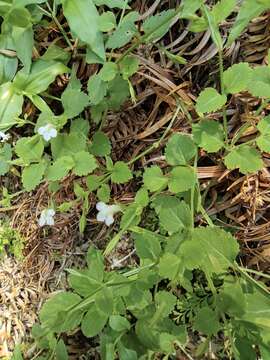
225	121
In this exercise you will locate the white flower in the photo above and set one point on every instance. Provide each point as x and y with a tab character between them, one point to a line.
48	132
4	137
106	212
46	217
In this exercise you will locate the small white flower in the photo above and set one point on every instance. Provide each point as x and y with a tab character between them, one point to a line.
4	137
48	132
46	217
106	212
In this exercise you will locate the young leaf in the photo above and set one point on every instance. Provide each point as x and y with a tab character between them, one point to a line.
32	175
209	135
180	149
157	26
129	66
206	321
85	163
181	179
244	157
209	100
173	214
82	17
237	78
60	168
10	105
120	173
153	179
101	145
108	71
5	157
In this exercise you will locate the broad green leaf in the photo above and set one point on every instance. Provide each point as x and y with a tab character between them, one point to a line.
118	92
61	351
249	10
245	158
263	141
231	298
85	163
95	263
106	21
124	32
8	65
42	74
81	127
82	17
142	197
209	135
93	182
93	322
60	168
210	100
32	175
237	78
119	323
156	26
19	16
101	145
165	303
129	66
181	179
206	321
222	249
260	82
169	266
180	149
113	3
108	71
173	214
55	53
17	354
97	89
29	149
67	144
23	38
5	157
188	8
55	312
153	179
74	102
10	105
120	173
104	193
147	246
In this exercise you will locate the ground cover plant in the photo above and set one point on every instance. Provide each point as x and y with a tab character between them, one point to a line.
68	69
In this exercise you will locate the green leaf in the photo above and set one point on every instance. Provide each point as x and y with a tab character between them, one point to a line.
108	71
85	163
165	303
93	322
124	32
188	8
142	197
121	173
231	299
29	149
60	168
65	144
95	263
55	312
181	179
180	149
210	100
263	141
209	135
206	321
222	249
74	102
106	21
237	78
32	175
112	3
19	16
169	266
97	89
83	19
260	82
156	26
104	193
153	179
129	66
23	38
10	105
147	246
173	214
118	92
119	323
101	145
5	157
248	11
42	74
17	354
55	53
245	158
61	351
8	65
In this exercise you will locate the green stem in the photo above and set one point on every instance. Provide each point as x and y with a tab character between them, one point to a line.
225	120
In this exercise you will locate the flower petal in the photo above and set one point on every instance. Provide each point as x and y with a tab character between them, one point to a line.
109	220
101	206
101	216
50	221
